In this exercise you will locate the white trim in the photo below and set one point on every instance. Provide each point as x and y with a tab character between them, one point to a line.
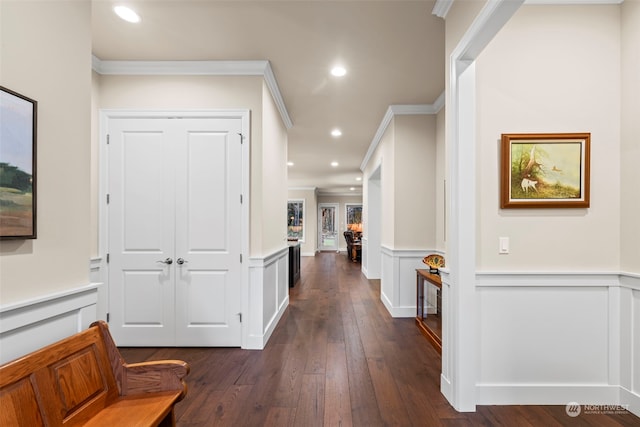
304	215
9	310
615	290
303	188
336	225
630	280
31	324
460	305
198	68
441	8
541	279
103	221
439	103
571	2
329	194
268	274
547	394
398	279
397	110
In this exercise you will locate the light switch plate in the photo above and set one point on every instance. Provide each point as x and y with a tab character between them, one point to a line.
503	245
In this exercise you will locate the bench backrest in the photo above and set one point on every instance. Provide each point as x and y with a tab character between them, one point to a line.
65	383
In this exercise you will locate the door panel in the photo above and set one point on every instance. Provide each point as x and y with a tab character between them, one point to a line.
141	233
174	231
208	234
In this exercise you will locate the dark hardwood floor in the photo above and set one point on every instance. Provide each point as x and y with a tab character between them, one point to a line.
337	358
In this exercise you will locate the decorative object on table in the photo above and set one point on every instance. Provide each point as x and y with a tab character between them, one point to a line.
17	165
435	263
549	170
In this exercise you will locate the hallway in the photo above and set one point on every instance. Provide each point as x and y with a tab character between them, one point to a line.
337	358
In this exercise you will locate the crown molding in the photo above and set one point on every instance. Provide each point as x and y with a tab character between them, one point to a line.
349	194
198	68
571	2
399	110
441	8
311	188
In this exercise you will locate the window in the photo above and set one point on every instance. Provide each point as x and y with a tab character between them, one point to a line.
295	220
354	218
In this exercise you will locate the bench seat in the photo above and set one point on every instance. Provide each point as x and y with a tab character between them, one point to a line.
137	410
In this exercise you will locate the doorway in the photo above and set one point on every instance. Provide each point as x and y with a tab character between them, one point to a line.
328	227
175	230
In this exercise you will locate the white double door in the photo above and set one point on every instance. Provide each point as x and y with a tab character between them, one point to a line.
174	234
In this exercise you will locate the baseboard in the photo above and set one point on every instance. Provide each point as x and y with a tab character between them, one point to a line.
546	394
630	400
398	312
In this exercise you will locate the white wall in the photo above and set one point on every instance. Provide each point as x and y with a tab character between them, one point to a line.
440	183
45	292
198	92
273	181
415	171
59	258
630	207
406	158
559	77
630	144
556	319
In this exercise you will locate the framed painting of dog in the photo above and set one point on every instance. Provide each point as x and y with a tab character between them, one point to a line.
549	170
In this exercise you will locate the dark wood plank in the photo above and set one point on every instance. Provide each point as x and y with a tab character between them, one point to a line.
337	405
310	410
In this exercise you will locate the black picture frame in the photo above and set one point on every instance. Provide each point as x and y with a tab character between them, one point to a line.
18	189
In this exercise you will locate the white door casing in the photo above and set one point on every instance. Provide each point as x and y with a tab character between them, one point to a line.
175	230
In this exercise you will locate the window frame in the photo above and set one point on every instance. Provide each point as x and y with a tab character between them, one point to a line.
304	214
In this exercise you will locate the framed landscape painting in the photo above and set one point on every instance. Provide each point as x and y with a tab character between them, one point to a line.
545	170
17	165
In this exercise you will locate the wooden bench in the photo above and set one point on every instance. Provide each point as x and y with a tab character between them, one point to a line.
83	380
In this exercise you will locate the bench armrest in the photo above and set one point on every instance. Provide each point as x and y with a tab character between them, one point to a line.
154	376
144	377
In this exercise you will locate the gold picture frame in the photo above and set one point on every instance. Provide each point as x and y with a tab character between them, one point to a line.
545	170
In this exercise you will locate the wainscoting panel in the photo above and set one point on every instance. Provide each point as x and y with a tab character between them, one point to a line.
398	283
268	297
30	325
558	338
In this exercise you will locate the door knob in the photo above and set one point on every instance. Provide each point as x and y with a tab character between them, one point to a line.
167	261
181	261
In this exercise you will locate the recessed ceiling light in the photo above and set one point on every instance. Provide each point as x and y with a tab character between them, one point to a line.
336	133
127	14
359	178
338	71
352	188
334	164
289	163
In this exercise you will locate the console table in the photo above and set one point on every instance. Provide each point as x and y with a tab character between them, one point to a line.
429	324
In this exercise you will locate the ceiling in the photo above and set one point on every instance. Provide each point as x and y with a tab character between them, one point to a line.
393	51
